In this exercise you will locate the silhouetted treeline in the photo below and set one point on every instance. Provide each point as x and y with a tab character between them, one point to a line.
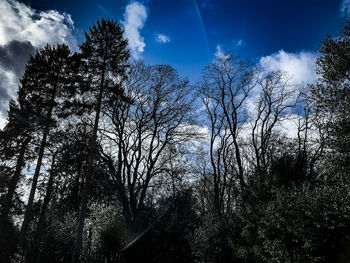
105	159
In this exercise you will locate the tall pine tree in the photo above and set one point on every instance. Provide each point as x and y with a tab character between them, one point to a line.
105	60
44	88
15	138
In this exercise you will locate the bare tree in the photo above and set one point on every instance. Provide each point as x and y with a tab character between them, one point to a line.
143	134
276	98
226	85
311	132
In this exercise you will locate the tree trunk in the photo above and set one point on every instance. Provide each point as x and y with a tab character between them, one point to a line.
76	187
46	199
28	213
41	223
14	180
86	189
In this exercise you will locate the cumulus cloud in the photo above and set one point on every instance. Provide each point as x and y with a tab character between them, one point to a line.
14	55
300	66
135	17
162	39
22	23
7	79
22	30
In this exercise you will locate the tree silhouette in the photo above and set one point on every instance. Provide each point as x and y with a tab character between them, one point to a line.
105	56
43	88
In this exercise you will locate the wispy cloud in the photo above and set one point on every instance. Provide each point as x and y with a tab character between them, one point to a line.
206	4
104	10
345	8
162	39
239	43
135	17
222	53
219	52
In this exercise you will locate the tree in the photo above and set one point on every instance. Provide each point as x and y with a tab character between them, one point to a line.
14	141
332	95
305	223
43	87
15	137
141	134
276	97
105	56
226	85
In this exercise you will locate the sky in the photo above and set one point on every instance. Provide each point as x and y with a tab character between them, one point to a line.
187	34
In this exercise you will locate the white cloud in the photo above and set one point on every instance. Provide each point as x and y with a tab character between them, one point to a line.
22	23
345	7
22	29
8	82
239	43
220	53
289	126
300	66
162	39
135	17
223	54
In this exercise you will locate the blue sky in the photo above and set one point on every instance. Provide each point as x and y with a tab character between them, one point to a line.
252	29
187	34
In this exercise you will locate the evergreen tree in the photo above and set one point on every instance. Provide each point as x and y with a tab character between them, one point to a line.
332	95
14	141
43	88
105	56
